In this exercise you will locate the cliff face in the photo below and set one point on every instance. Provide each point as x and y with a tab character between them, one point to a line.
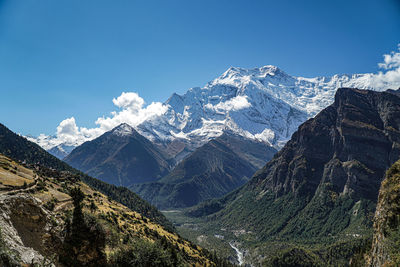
27	228
349	145
386	241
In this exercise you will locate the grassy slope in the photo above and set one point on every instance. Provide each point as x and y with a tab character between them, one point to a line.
120	223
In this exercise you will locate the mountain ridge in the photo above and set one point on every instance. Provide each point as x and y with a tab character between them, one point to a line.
212	170
121	156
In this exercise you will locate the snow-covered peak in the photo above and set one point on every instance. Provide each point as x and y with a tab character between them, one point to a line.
263	103
254	72
61	150
123	129
234	76
49	142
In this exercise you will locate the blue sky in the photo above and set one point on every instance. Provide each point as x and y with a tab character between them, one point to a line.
60	59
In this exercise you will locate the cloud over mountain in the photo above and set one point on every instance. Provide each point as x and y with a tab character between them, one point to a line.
132	111
236	103
391	60
391	65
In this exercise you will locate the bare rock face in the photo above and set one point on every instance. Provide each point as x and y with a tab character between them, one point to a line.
27	228
350	145
385	251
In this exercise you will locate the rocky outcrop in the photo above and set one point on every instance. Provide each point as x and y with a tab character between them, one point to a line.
385	251
28	229
349	145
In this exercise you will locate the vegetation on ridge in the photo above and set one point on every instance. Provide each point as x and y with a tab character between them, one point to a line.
386	243
83	227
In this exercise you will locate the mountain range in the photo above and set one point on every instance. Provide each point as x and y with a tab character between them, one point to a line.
264	104
313	203
314	199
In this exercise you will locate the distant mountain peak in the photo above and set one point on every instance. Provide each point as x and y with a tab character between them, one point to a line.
123	129
261	72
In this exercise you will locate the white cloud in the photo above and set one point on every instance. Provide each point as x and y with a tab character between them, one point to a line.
235	103
390	78
131	114
391	60
67	127
386	80
129	100
132	111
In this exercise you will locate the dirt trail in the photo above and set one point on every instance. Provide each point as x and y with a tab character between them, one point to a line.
61	204
12	191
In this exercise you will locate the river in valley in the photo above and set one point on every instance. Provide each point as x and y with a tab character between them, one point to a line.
239	254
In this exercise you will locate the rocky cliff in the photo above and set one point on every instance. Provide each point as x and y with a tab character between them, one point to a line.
386	242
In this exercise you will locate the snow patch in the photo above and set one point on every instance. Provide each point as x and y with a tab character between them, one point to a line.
123	130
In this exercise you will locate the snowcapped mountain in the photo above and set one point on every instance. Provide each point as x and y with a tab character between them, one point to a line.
263	104
61	151
49	143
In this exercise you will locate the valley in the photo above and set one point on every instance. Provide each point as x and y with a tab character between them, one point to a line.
281	215
312	204
209	133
